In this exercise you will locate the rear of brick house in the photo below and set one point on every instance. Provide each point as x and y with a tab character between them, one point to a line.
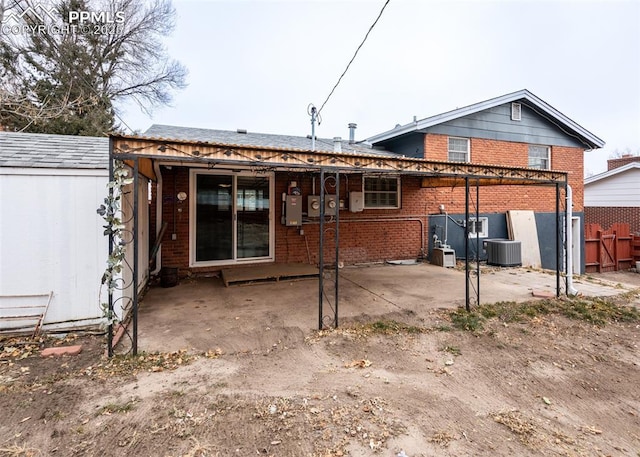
220	216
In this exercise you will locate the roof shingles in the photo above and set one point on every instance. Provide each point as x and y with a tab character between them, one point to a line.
231	138
40	150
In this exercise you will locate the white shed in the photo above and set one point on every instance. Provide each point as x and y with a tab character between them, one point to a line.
51	238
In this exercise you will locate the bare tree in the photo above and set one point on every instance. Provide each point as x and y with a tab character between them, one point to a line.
65	74
616	154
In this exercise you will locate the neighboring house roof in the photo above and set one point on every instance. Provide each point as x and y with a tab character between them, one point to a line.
243	138
610	173
522	96
41	150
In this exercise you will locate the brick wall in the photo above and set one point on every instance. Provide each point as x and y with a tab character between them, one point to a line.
176	215
377	235
621	161
607	216
502	198
361	238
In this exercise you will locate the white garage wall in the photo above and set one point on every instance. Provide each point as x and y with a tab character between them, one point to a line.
51	239
620	189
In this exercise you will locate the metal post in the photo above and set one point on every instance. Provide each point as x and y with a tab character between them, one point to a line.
337	246
321	251
313	128
477	242
466	242
558	240
135	256
110	297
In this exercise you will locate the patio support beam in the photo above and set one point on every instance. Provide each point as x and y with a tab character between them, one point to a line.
135	256
434	174
110	295
466	243
558	252
335	310
321	253
477	242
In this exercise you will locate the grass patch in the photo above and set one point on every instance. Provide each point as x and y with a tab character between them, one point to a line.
598	310
469	321
118	408
594	310
443	328
390	327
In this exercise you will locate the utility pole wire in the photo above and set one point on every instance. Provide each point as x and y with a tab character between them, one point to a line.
354	55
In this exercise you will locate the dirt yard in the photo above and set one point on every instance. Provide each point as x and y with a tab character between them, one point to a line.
539	378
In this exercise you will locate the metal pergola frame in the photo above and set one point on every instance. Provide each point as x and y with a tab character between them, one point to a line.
140	152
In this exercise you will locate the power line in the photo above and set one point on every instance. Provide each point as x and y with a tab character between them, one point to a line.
354	55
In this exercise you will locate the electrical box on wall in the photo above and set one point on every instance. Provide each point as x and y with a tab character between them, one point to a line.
293	211
330	205
356	202
313	205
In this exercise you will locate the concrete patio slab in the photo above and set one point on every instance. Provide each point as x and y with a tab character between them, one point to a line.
202	314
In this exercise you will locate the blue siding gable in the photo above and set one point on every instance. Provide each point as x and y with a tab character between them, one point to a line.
411	145
540	123
496	124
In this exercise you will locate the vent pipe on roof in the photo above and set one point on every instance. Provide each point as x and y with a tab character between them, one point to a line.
337	144
352	132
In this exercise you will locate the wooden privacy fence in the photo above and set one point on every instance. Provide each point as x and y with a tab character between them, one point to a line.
610	250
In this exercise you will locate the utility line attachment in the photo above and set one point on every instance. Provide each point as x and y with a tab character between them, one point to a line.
354	55
315	117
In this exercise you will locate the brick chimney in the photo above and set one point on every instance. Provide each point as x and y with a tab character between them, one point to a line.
621	161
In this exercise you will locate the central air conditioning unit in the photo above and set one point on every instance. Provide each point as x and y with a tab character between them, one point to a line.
503	253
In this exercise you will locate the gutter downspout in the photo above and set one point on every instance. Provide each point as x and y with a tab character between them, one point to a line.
156	168
569	242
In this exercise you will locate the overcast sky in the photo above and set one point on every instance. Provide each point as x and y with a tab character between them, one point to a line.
258	64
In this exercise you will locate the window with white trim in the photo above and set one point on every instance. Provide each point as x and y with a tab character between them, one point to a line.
381	192
458	149
516	112
478	228
539	157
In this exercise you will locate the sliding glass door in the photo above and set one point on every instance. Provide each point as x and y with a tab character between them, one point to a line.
214	218
231	218
252	211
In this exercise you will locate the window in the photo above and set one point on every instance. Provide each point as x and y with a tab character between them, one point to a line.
516	112
458	149
539	157
478	228
381	192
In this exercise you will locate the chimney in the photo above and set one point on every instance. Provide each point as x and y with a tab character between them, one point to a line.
337	144
352	132
621	161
